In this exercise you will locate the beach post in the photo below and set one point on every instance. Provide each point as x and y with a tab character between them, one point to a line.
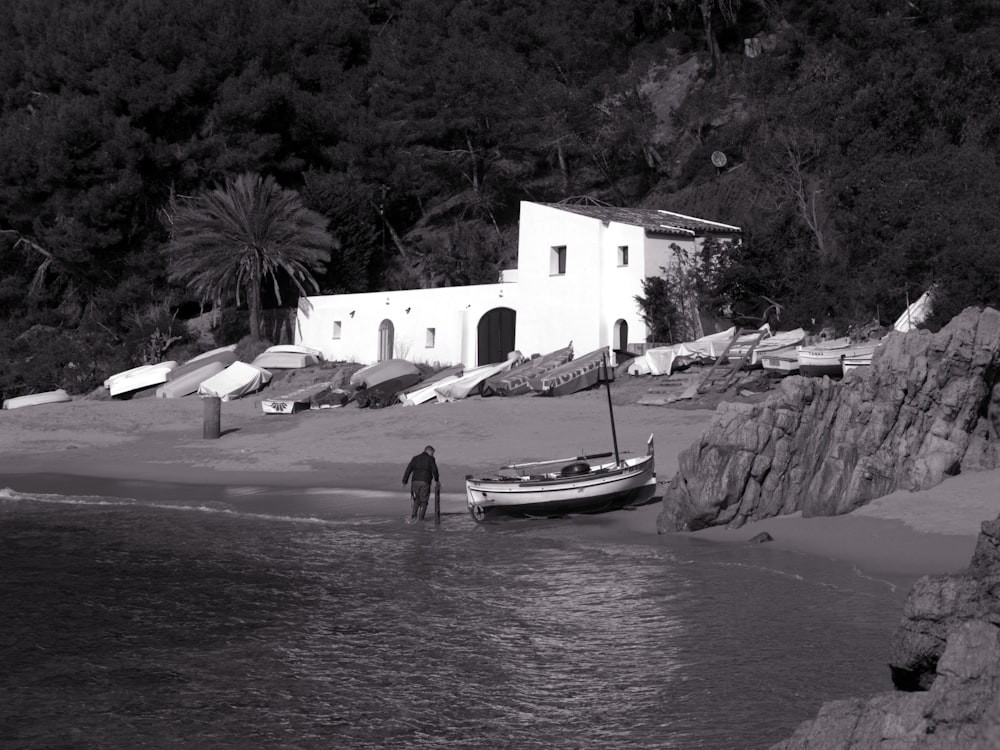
212	417
437	503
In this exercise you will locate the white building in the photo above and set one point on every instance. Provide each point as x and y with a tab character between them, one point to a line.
579	270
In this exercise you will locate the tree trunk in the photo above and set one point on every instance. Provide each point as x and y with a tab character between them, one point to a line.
710	40
254	305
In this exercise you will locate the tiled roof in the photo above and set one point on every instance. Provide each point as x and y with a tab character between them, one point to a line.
650	219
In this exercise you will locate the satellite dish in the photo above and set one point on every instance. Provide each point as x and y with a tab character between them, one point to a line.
718	159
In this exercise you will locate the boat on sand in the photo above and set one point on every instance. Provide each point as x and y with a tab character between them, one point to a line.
576	375
531	489
237	380
190	379
37	399
130	382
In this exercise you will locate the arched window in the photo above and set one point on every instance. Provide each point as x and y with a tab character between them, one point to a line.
386	336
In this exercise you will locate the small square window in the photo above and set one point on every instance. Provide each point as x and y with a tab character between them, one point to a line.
558	260
430	338
336	329
623	255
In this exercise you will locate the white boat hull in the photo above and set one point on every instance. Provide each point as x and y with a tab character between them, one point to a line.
37	399
140	378
819	362
599	489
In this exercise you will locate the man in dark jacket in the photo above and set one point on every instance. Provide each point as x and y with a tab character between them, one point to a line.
423	469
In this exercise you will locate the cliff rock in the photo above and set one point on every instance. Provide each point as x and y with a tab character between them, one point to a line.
946	659
928	407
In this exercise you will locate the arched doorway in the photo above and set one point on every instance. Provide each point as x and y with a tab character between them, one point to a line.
386	336
496	335
620	343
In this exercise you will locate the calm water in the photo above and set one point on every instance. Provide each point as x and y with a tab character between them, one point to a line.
186	622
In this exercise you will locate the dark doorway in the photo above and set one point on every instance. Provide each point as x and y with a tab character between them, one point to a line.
496	335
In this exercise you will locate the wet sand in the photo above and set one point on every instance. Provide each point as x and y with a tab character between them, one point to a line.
350	461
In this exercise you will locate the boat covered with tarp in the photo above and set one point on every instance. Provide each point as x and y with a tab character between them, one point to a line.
470	382
423	391
576	375
663	360
237	380
517	380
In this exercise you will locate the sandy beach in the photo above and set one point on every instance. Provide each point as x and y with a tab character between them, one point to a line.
161	440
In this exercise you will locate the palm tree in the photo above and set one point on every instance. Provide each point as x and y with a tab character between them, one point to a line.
226	242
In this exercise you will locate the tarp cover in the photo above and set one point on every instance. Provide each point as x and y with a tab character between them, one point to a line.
576	375
424	391
471	380
236	381
190	379
515	382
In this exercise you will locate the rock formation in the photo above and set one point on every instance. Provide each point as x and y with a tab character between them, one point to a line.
928	407
946	659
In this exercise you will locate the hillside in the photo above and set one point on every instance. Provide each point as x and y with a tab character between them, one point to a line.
415	129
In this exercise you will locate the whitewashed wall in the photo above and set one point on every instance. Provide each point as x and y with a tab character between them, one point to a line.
584	305
453	313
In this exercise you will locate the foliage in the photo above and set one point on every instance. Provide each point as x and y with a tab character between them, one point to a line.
226	243
414	129
672	303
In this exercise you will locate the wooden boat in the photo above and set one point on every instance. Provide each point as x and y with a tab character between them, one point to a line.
125	385
784	360
576	375
272	360
860	357
37	399
223	356
190	379
827	359
779	340
385	393
372	375
124	374
915	313
296	349
517	380
296	400
221	353
422	392
528	490
470	382
237	380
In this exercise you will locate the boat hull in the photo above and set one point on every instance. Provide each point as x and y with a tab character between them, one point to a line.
830	362
37	399
599	490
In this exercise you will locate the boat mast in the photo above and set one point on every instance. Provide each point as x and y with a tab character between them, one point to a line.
611	411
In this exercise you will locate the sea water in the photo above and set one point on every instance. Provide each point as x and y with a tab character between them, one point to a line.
186	619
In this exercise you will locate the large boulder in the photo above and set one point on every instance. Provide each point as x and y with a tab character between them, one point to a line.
928	407
946	664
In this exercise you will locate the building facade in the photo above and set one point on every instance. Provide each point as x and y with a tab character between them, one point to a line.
579	271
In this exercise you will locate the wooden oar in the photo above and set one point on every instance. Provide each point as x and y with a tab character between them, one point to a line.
558	460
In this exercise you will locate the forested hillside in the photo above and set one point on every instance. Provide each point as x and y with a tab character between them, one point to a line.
861	146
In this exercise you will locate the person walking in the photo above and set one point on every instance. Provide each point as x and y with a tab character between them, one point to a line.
423	469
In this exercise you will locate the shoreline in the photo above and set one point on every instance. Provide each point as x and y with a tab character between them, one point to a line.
332	457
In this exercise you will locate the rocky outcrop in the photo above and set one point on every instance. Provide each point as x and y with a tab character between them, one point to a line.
946	659
928	407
